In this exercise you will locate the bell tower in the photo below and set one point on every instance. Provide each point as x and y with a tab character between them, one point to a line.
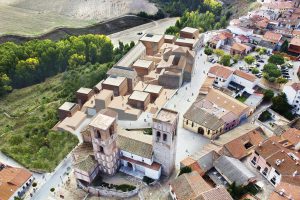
104	134
164	136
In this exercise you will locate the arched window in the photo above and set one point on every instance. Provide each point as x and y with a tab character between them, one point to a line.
165	137
157	136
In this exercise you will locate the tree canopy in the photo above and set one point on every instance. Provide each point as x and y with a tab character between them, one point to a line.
271	72
281	106
32	62
276	59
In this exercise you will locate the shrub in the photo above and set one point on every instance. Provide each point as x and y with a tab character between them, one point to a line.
225	60
265	116
125	187
208	51
52	189
268	95
255	71
34	184
147	131
185	170
148	180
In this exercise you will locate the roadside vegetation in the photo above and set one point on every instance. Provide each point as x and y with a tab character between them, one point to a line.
204	15
28	114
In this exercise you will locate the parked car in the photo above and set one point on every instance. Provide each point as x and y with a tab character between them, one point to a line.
261	61
140	33
257	65
258	75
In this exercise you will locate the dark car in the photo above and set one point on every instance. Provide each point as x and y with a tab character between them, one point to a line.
257	65
140	33
260	61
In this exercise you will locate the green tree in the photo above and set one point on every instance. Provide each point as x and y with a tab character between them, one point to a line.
265	116
268	95
76	60
255	70
208	51
4	84
236	58
249	60
284	47
281	80
271	72
281	106
262	51
225	60
219	53
276	59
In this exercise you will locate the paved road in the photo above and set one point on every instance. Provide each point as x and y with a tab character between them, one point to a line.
156	27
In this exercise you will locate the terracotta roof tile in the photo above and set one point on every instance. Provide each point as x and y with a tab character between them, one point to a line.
11	179
290	191
221	71
245	75
272	37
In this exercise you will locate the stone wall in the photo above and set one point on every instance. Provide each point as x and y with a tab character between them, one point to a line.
102	191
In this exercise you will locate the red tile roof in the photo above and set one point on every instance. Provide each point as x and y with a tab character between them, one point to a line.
272	37
245	75
221	71
11	179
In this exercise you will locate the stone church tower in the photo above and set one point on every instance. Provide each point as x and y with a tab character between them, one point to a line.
164	135
104	134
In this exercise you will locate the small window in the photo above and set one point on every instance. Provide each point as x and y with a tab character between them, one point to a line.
101	149
158	134
165	137
98	135
208	132
187	122
192	124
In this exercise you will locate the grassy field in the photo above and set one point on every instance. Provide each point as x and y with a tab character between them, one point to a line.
26	116
28	22
34	17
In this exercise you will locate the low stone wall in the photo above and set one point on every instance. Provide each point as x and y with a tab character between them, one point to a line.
102	191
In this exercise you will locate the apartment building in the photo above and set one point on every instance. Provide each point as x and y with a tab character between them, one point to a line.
292	92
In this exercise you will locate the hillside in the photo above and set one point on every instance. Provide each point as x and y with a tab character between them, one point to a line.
31	17
234	6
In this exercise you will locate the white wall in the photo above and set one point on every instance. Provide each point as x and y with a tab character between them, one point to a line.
244	82
153	173
137	158
272	174
20	189
239	31
290	94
